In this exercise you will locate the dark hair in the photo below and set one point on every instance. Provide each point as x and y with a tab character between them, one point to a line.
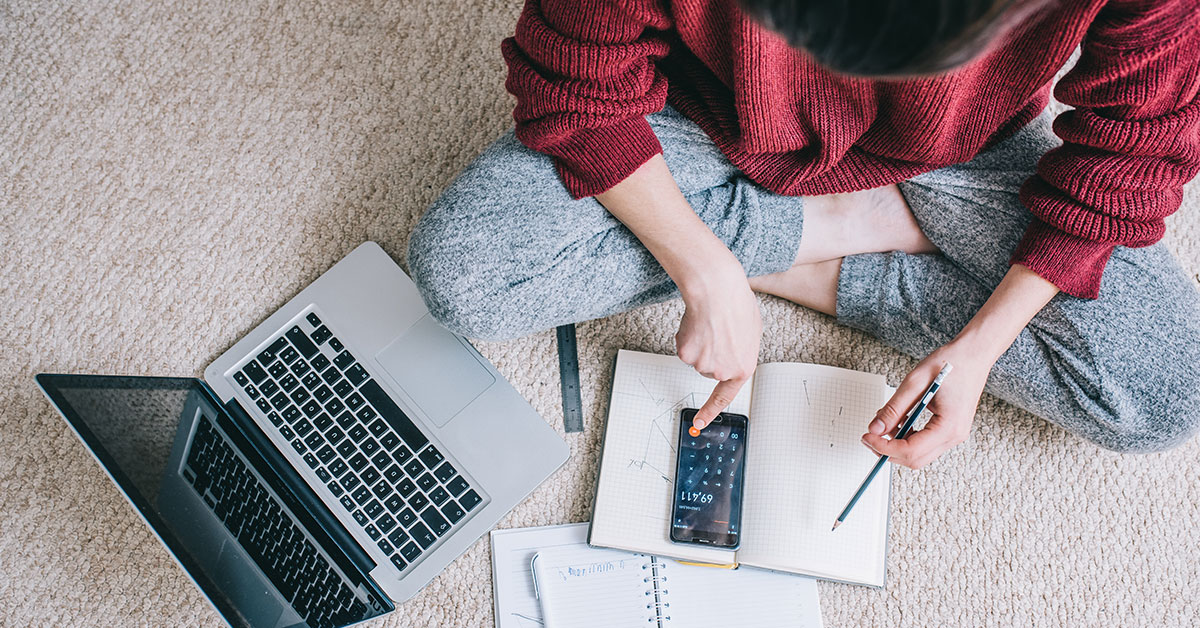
890	38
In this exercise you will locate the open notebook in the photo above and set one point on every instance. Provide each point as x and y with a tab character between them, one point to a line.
583	586
804	460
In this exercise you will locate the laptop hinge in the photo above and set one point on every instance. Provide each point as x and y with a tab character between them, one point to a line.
337	542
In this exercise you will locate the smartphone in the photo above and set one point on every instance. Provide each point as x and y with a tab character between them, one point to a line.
707	508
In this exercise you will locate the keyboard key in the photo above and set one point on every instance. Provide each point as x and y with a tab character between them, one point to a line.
358	461
277	370
386	523
445	472
252	392
311	381
303	427
313	319
280	401
373	532
414	468
453	511
314	440
418	500
311	460
334	406
382	489
347	503
393	473
382	460
470	500
344	360
241	378
389	441
369	475
289	355
361	518
263	405
300	368
326	453
410	551
301	342
378	427
255	372
355	401
322	393
343	388
426	482
338	467
358	432
435	521
288	382
300	395
347	448
336	344
391	413
335	487
269	388
431	457
291	413
369	446
439	495
398	562
422	535
335	435
321	334
407	517
406	487
457	486
361	495
287	432
275	419
385	546
393	502
298	445
323	422
402	454
311	408
356	374
324	474
373	509
398	537
346	420
349	481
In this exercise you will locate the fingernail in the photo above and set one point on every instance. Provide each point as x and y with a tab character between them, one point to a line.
876	427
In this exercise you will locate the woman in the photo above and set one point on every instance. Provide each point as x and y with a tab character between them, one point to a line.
887	162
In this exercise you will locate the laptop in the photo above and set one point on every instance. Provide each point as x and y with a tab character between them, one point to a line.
331	463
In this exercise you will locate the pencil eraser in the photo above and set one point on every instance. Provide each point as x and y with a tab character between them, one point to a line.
693	431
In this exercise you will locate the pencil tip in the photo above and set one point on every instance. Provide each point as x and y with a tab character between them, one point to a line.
835	525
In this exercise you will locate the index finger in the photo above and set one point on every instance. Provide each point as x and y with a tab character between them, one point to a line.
720	399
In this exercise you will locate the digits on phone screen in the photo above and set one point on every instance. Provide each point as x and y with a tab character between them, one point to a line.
707	506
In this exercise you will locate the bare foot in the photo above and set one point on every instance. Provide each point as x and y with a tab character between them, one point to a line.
810	285
870	221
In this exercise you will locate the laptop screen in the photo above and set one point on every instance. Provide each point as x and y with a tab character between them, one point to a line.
133	427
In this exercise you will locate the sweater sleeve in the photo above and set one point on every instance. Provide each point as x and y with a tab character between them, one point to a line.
1129	145
584	75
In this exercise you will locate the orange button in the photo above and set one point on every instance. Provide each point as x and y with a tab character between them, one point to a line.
693	431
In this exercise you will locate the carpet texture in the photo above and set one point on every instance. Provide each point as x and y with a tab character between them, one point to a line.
169	175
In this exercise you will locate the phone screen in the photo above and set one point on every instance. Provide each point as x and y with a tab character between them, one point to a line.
708	481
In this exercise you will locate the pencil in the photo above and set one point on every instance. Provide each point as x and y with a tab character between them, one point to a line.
904	429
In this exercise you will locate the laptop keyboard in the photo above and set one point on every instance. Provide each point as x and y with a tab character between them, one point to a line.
387	475
266	531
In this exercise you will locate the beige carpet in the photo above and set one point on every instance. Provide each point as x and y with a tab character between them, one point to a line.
170	176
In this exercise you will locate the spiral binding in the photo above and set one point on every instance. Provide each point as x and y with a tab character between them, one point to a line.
655	580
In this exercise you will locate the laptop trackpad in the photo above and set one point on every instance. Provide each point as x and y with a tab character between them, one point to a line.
246	589
434	368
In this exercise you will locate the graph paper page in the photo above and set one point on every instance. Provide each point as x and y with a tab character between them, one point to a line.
804	460
637	467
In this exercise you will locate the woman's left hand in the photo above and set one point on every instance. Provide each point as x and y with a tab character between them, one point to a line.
953	406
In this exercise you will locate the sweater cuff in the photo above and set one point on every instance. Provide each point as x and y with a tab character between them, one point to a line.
1072	263
593	160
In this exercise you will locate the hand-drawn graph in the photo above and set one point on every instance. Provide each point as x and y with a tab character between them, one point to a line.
661	429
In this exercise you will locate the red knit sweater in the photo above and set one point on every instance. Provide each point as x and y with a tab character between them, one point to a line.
586	72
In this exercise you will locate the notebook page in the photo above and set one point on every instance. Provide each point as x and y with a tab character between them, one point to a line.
512	577
697	597
637	467
593	587
804	462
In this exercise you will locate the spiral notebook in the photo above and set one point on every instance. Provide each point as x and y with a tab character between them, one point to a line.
804	460
582	586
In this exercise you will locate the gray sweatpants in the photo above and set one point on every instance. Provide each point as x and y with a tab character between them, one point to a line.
506	251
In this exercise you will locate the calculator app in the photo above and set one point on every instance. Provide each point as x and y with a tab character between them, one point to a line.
708	478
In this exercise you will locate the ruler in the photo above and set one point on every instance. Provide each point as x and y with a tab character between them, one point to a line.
568	369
